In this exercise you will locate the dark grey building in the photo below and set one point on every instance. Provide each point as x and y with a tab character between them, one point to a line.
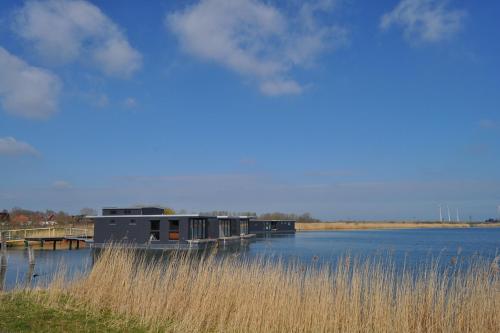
148	228
271	226
233	227
107	211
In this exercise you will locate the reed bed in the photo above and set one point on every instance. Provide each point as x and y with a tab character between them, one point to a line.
312	226
211	294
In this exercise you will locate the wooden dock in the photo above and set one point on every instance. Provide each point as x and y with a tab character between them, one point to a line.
47	235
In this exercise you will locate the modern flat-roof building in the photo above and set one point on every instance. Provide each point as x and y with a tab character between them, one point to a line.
107	211
233	227
271	226
148	228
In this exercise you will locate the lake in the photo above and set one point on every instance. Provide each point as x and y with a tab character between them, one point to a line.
411	246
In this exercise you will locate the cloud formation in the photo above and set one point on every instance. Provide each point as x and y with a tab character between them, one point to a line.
489	124
130	103
427	21
61	185
10	146
255	39
63	31
25	90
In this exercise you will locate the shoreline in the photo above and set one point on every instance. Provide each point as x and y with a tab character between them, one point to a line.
366	225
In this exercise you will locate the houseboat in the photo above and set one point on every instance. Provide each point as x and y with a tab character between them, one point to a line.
150	228
233	228
260	227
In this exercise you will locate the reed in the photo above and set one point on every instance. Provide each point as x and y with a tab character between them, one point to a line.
233	295
312	226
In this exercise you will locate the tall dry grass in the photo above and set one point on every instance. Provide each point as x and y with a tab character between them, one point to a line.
312	226
234	295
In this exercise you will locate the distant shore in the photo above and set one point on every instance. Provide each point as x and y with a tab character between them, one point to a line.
374	225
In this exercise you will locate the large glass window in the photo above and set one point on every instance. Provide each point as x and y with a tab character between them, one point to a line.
243	226
197	228
225	228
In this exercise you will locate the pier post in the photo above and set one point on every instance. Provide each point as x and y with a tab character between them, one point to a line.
3	269
71	244
31	256
31	267
77	244
54	246
3	242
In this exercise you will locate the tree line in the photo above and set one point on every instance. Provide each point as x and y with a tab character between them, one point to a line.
21	218
18	217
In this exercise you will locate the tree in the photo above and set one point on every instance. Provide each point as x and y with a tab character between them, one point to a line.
88	211
168	211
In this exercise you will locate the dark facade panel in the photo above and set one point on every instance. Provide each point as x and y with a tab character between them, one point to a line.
115	211
154	229
271	226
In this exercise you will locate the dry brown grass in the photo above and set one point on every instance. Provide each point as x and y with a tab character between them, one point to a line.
233	295
382	225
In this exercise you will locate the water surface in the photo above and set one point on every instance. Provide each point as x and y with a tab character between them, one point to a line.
411	247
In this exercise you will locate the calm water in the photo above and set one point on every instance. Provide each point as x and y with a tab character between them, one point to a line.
410	246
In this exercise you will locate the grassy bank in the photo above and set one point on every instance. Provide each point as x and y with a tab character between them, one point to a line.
28	312
233	295
361	225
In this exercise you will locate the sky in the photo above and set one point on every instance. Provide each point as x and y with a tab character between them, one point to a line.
346	109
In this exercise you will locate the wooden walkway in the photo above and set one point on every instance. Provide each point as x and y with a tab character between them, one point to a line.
46	235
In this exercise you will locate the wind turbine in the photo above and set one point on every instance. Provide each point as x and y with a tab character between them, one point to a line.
441	214
458	217
449	216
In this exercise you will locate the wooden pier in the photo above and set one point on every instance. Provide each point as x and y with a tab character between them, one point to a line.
47	235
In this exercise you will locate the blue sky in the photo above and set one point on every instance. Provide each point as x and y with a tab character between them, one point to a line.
345	109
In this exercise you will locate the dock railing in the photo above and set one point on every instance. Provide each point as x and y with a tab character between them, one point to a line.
78	232
20	234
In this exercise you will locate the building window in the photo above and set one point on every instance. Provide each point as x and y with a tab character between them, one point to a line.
154	234
132	222
224	228
173	233
112	212
197	228
243	227
127	212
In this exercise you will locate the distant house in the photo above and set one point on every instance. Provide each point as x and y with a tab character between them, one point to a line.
148	227
257	227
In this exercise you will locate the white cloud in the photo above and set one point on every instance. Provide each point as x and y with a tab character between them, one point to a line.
425	20
61	185
101	101
25	90
130	103
255	39
10	146
64	31
489	124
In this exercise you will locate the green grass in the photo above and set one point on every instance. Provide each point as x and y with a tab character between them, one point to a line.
23	312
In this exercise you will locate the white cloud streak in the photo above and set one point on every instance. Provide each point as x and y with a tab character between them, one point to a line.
130	103
25	90
63	31
12	147
61	185
255	39
425	21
